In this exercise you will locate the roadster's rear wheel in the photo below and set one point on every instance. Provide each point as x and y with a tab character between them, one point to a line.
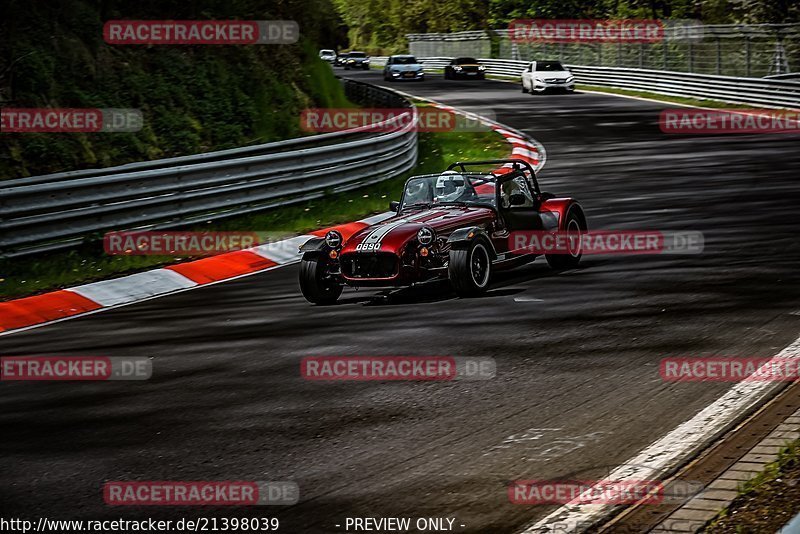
317	287
574	227
469	269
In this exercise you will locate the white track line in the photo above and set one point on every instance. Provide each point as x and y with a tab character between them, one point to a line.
665	455
134	287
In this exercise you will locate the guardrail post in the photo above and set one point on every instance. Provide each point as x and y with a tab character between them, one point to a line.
747	54
691	57
665	50
719	56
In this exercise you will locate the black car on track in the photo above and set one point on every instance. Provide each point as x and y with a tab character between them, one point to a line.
464	67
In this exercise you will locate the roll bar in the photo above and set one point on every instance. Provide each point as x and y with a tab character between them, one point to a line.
519	165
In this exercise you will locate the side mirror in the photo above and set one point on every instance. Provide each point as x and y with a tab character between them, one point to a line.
516	199
394	206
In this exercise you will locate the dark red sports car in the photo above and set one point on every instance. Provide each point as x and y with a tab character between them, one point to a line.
455	224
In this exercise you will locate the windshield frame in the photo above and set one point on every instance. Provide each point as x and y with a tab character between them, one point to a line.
428	205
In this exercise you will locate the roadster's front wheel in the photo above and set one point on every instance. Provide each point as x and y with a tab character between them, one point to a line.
470	268
317	287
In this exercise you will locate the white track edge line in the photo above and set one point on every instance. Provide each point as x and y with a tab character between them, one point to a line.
667	453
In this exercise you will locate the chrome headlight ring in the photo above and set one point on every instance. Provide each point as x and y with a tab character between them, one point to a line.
333	239
426	235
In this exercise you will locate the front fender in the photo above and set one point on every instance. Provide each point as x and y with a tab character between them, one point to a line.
461	238
315	245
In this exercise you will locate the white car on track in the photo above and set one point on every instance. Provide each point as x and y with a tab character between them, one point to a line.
326	54
539	76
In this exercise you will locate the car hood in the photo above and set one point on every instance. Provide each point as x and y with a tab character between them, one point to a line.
556	74
403	68
392	234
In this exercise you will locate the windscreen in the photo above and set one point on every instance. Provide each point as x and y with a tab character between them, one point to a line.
549	66
449	187
404	60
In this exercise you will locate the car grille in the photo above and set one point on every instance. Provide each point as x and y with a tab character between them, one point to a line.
369	265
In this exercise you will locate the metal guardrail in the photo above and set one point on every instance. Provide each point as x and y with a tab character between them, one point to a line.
60	210
748	91
750	50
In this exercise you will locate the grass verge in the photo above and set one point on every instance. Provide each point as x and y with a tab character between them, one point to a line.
86	263
768	501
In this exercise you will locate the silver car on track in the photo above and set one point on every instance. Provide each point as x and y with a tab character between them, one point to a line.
403	67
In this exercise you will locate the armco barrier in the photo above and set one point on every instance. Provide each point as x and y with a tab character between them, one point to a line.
748	91
59	210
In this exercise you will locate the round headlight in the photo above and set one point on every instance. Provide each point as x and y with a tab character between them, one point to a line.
425	236
333	239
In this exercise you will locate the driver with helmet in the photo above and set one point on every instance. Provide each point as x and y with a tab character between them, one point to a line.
452	187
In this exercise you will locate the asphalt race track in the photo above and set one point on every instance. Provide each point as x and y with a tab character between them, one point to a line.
577	390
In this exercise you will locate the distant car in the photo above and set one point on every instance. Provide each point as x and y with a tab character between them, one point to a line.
341	59
454	225
403	67
540	76
327	55
464	67
356	60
